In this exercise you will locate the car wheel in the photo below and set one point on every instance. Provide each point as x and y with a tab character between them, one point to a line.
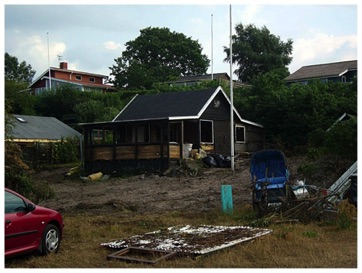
50	240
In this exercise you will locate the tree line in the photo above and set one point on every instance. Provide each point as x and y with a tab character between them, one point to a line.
292	115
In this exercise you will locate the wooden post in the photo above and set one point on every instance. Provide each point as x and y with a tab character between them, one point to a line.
227	199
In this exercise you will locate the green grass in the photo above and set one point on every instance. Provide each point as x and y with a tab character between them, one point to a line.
290	245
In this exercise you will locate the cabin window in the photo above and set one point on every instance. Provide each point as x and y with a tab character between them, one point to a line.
96	137
124	134
343	79
239	134
207	131
127	134
101	136
155	133
92	79
175	132
143	134
78	77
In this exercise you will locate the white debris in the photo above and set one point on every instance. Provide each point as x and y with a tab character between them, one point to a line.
192	239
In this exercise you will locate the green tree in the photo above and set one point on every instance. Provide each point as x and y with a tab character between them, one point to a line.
18	72
17	173
19	98
157	55
341	140
59	103
290	114
88	111
257	51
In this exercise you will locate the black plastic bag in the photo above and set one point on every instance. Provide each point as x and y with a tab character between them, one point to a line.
219	160
209	161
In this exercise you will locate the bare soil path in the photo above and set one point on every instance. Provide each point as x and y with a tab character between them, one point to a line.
151	192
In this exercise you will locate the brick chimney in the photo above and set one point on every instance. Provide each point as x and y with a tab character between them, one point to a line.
63	65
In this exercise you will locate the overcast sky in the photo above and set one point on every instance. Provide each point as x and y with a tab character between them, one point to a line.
90	37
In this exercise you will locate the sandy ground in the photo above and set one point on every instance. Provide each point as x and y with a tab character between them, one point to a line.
155	193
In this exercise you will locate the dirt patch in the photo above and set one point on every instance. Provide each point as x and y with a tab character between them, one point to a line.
153	193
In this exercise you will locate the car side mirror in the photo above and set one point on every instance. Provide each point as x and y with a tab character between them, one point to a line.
30	207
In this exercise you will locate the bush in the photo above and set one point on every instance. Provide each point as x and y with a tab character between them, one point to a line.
346	215
66	151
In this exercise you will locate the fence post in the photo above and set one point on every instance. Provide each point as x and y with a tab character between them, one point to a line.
227	199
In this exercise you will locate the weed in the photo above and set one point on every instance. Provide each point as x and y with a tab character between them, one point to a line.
262	222
284	232
310	234
346	214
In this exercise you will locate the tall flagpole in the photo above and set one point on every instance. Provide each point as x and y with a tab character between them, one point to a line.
212	50
231	98
50	80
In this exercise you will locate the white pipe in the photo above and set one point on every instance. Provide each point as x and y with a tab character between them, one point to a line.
231	98
212	50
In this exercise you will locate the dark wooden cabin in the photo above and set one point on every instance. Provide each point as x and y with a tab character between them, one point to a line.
154	130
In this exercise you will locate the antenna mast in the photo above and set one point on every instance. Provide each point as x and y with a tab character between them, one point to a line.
50	79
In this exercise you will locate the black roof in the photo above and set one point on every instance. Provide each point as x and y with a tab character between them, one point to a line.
174	105
203	77
323	70
170	106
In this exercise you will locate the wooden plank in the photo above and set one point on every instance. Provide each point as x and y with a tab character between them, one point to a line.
102	153
125	152
208	148
174	151
142	255
130	152
150	152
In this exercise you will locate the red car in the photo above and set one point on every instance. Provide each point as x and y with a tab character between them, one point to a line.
30	228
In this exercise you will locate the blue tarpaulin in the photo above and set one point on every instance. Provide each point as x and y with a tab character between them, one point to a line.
269	166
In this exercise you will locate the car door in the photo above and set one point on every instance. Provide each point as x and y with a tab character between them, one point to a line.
21	230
